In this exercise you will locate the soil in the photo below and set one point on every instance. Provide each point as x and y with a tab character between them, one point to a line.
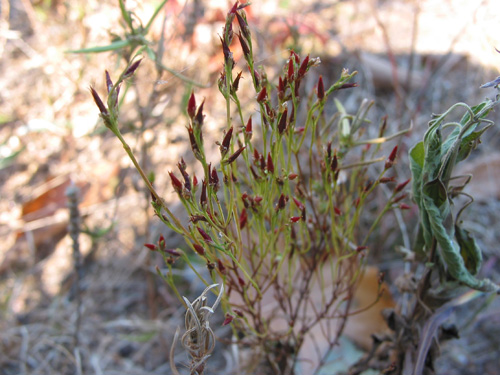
414	57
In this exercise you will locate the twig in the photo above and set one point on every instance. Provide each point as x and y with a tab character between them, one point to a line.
74	231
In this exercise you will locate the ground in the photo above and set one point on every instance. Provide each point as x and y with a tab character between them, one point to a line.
414	58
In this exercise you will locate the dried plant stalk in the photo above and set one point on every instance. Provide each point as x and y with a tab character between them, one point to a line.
199	339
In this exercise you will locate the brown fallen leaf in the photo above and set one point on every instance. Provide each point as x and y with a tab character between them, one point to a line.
360	327
44	218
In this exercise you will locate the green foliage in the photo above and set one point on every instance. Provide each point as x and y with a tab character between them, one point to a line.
280	212
432	162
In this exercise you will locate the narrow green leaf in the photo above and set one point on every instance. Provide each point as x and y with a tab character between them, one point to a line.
344	125
126	15
432	162
153	17
417	154
469	143
436	190
475	110
469	250
98	49
450	251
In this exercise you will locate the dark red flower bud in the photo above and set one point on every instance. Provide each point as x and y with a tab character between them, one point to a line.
270	111
244	198
214	180
182	168
295	57
195	218
299	204
390	160
329	150
109	83
228	318
132	68
221	267
177	185
320	92
236	82
191	108
235	155
401	186
248	130
205	236
151	247
296	88
294	219
281	89
399	198
281	202
241	281
404	206
243	26
292	176
173	252
361	248
233	9
282	121
182	165
270	164
199	114
292	115
258	199
303	68
228	55
203	197
226	142
195	182
262	162
199	249
153	199
256	156
334	163
117	94
244	46
243	218
337	211
238	312
383	126
385	180
356	202
262	96
348	86
98	102
290	69
194	144
257	78
221	83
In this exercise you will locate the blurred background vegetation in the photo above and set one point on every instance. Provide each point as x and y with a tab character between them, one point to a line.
414	58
